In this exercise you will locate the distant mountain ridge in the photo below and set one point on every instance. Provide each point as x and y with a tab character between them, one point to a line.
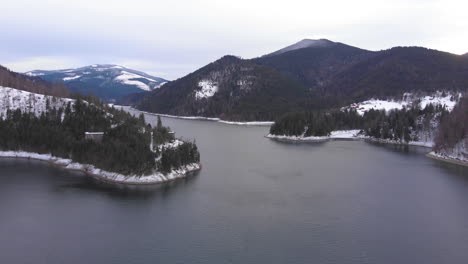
106	81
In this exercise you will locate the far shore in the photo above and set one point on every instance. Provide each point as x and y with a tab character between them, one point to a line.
345	135
214	119
102	175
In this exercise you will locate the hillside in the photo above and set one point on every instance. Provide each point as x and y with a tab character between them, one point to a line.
106	81
30	83
395	71
230	88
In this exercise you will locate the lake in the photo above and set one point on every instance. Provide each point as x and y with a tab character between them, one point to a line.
255	201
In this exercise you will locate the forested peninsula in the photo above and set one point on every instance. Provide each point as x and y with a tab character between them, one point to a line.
445	132
83	133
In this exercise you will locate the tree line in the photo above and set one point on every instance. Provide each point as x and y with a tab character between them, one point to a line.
400	124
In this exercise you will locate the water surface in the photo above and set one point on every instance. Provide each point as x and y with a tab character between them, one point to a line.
255	201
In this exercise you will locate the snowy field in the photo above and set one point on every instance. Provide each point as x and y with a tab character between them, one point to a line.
407	100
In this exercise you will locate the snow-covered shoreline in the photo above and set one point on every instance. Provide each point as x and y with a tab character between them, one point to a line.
215	119
347	135
112	177
339	134
448	159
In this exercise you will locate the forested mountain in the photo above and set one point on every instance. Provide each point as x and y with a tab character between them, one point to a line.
230	88
31	84
311	74
106	81
315	65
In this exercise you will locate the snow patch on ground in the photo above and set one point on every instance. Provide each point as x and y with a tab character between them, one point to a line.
159	85
27	102
377	104
208	89
154	178
33	74
439	99
173	144
71	78
126	78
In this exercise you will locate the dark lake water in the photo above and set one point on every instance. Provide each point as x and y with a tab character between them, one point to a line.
255	201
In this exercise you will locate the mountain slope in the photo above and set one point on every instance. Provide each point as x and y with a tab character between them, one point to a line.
229	88
108	82
30	83
316	64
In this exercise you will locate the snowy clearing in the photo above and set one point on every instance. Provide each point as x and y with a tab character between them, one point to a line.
208	89
407	100
14	99
173	144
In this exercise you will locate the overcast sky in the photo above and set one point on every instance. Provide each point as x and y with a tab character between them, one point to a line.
172	38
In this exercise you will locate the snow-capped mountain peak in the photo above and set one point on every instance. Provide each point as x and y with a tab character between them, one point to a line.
107	81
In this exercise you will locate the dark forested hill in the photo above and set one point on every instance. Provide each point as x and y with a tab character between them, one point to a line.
315	65
31	84
230	88
395	71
